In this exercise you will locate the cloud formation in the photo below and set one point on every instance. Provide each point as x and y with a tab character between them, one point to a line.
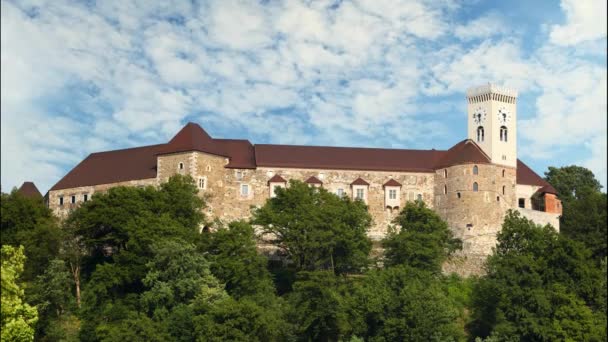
84	77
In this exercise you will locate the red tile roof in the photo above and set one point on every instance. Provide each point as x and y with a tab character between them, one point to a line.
29	189
359	181
313	180
345	158
391	182
526	176
140	162
277	179
465	152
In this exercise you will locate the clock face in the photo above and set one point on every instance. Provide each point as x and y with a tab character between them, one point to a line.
479	115
503	115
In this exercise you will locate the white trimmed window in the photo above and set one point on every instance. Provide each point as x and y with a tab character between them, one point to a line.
239	175
392	194
340	192
202	183
244	190
73	199
60	200
360	194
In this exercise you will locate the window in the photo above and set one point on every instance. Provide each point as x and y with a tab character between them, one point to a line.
445	189
475	187
503	173
480	134
340	192
497	198
239	175
61	200
469	226
392	194
73	199
504	189
180	166
522	202
244	190
208	168
503	133
445	173
85	197
274	189
360	194
458	194
475	170
202	183
419	197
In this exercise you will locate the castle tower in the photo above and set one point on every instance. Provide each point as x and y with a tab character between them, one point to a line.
492	113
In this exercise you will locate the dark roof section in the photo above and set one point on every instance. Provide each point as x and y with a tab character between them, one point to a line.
29	189
313	180
240	153
391	182
526	176
192	138
112	167
346	158
359	181
277	179
465	152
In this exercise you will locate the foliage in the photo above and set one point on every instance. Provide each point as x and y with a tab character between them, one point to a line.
405	304
236	262
422	239
319	309
18	318
317	229
540	286
28	222
584	207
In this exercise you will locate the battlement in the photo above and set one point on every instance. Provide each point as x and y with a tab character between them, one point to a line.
491	89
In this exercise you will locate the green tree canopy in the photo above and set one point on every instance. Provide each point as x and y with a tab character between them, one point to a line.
317	229
421	239
540	286
569	181
18	318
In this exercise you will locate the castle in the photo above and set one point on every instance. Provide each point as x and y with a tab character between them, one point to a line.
470	185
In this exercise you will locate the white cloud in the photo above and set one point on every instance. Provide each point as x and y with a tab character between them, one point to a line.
486	26
585	20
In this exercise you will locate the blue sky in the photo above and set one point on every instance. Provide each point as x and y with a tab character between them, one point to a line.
81	77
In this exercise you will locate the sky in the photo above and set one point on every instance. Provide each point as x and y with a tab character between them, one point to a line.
83	77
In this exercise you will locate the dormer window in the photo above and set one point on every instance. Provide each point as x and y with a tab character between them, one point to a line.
275	182
360	187
392	190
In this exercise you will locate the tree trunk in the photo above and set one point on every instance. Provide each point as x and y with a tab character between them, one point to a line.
76	275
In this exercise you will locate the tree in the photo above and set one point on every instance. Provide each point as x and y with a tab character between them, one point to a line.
540	286
236	262
18	318
317	229
421	239
584	207
319	310
28	222
402	303
570	180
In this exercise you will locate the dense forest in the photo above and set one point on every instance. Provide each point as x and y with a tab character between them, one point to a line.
132	265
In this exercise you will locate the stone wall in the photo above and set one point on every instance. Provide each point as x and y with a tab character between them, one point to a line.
541	217
474	216
63	210
232	206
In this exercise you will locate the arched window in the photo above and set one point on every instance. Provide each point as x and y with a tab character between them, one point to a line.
475	187
475	170
445	189
445	173
480	134
503	133
181	166
503	189
419	197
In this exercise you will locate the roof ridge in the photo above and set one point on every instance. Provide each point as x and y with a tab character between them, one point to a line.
126	149
348	147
